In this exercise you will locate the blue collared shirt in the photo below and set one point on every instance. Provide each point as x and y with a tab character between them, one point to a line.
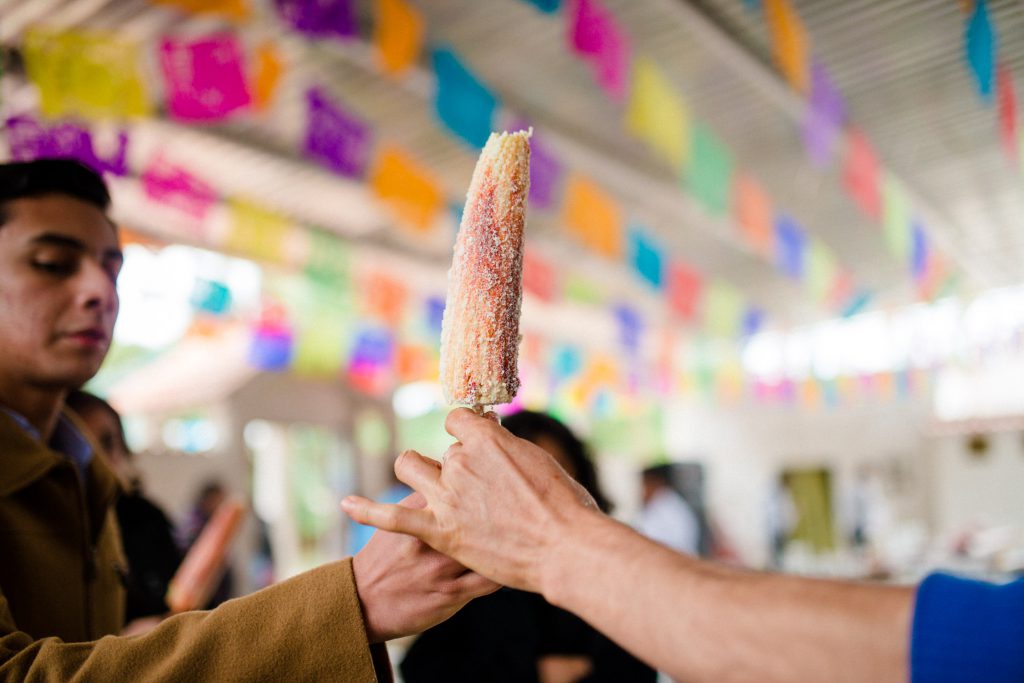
66	440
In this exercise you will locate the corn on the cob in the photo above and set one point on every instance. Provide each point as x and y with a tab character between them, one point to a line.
480	330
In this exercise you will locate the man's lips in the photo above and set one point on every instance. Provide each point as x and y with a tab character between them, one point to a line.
92	336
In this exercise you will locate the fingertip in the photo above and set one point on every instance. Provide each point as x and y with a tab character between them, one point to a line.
457	418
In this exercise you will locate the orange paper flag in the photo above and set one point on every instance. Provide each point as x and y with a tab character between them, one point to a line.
754	214
789	41
398	34
384	298
408	189
593	217
231	9
267	75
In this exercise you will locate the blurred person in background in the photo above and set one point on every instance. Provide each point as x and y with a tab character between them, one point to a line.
517	636
210	496
504	507
666	516
146	532
61	562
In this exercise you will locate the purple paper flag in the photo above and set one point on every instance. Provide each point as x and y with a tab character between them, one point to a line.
629	327
545	173
319	17
29	139
204	78
824	117
334	138
596	36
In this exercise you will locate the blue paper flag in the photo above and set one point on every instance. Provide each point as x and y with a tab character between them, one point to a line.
857	304
270	349
211	296
566	362
629	327
753	321
980	49
373	348
752	5
435	313
647	257
791	243
464	104
918	251
546	6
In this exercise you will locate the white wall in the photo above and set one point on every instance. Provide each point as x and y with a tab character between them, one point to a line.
988	490
744	451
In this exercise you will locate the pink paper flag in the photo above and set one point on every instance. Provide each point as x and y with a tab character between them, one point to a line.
205	79
597	37
173	185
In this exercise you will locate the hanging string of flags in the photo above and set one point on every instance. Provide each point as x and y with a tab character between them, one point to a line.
101	76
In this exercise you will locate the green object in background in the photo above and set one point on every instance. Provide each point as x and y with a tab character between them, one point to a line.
120	362
709	177
639	437
723	309
581	290
372	435
896	218
329	261
811	492
425	434
324	330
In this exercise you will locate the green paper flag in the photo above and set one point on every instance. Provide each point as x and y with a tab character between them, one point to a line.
896	218
325	314
821	270
329	259
709	176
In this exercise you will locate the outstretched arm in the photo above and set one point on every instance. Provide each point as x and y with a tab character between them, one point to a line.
503	507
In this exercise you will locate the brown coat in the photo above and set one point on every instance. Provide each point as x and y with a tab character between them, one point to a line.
62	601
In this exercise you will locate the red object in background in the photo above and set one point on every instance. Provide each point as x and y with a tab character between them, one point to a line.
684	290
1007	99
538	276
860	175
202	567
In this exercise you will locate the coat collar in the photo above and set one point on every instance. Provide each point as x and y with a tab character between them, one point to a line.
25	459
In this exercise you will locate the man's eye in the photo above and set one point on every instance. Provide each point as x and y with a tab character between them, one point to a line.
55	267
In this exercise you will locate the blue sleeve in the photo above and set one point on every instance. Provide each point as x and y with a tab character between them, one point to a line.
967	631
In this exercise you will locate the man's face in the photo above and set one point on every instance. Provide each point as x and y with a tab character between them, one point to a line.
59	261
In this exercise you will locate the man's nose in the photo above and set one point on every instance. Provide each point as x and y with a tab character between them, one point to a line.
96	289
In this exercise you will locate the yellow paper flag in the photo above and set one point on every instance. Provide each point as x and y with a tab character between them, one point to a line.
407	188
723	309
258	233
789	41
593	217
269	68
398	34
92	74
657	114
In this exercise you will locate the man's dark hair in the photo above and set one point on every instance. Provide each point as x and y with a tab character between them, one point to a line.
23	179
